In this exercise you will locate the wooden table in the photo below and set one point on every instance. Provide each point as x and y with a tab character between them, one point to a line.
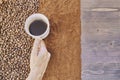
64	39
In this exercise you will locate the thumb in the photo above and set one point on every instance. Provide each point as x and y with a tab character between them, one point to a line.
42	50
36	48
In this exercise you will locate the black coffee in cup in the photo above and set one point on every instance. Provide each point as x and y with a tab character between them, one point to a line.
37	27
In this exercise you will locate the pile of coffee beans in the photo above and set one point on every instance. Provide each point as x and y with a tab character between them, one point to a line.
15	44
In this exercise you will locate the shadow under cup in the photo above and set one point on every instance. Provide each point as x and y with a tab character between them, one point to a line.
37	26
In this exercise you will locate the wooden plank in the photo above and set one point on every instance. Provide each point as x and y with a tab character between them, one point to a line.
64	39
100	39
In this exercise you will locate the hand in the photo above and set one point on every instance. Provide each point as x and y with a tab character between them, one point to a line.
38	61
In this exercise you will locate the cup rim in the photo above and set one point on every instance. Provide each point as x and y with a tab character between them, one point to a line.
37	16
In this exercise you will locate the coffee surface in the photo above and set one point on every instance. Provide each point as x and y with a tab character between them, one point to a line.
37	27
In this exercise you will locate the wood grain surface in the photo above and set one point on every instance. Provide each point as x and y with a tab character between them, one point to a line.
100	39
64	40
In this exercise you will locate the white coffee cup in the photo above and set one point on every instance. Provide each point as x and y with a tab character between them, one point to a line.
34	17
